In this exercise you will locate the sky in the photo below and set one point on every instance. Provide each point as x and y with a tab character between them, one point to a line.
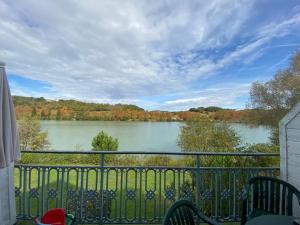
159	55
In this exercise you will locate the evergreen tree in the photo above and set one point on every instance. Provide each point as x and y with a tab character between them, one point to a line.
104	142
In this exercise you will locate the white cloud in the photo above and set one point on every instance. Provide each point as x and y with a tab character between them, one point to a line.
123	51
225	95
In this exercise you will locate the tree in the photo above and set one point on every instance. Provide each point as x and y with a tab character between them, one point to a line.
104	142
261	161
277	96
207	136
207	109
43	114
31	136
33	113
58	115
212	109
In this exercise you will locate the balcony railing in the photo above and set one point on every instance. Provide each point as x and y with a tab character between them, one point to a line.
136	194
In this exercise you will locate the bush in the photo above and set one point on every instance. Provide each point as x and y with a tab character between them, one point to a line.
260	161
158	160
206	136
104	142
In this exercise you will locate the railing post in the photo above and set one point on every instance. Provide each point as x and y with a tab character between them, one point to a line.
81	193
62	187
43	190
197	181
101	187
24	191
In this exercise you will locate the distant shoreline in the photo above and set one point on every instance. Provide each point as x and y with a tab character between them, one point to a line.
72	110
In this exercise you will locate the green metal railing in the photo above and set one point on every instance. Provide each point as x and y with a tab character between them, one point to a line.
135	194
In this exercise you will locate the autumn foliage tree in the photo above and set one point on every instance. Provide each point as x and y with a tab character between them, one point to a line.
30	134
276	97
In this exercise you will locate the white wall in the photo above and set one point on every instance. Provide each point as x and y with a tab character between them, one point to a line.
289	130
290	147
293	150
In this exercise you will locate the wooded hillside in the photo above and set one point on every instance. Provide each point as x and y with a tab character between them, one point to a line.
76	110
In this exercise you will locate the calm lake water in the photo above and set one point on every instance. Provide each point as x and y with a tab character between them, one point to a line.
133	136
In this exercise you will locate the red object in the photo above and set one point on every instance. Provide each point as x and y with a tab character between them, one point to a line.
54	217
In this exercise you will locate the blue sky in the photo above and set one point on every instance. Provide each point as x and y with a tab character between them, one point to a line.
168	55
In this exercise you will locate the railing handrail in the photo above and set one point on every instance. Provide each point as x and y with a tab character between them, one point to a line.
258	154
148	167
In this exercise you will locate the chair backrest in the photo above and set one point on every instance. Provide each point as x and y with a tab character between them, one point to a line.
181	213
273	195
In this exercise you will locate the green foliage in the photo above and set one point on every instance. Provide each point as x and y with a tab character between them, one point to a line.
280	93
70	104
260	161
212	109
274	137
31	136
58	115
158	160
33	113
130	107
277	96
206	109
220	137
104	142
208	136
199	109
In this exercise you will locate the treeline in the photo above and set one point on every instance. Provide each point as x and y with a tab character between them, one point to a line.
248	116
44	109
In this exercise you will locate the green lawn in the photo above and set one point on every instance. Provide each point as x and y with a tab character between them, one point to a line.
136	182
121	180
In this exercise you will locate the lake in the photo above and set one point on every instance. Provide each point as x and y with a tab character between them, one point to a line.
133	136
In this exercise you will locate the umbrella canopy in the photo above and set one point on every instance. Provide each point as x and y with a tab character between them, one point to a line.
9	141
9	152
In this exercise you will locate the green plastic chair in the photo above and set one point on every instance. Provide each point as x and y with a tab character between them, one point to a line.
268	196
183	212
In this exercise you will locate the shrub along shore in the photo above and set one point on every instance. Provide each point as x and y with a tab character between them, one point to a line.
158	160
